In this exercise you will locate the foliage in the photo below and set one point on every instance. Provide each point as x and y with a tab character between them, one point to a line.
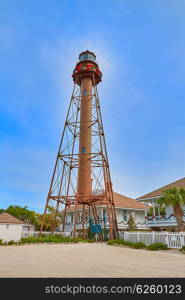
88	241
11	242
159	210
176	198
51	238
111	242
23	213
157	246
138	245
51	221
131	223
173	196
183	249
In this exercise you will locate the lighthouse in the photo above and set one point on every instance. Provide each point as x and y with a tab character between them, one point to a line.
81	178
86	74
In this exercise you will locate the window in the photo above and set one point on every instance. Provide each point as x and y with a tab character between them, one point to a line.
71	218
7	226
124	215
83	57
91	57
85	92
104	215
87	56
83	150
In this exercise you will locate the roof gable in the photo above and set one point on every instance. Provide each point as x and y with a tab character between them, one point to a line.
8	218
126	202
178	184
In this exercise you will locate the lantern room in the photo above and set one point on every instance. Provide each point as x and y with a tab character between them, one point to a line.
87	55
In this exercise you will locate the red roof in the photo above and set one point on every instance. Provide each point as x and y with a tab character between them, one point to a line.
120	201
126	202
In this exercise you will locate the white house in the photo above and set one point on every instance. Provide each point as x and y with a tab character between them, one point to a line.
158	221
10	227
28	227
124	206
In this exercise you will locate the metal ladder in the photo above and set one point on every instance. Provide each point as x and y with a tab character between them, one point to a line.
96	219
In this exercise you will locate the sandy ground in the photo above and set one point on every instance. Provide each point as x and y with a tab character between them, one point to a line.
88	260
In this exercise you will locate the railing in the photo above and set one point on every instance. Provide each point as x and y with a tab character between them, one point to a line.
162	220
69	227
172	240
98	192
139	225
105	223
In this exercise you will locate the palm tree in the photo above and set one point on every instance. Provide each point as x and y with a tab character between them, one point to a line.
131	222
176	198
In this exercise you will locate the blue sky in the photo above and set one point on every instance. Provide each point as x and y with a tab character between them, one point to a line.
140	48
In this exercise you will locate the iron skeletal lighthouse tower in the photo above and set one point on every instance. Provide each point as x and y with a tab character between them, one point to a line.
81	178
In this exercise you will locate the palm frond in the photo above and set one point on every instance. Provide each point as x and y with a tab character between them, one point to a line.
172	196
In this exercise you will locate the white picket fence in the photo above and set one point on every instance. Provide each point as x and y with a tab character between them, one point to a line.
36	233
172	240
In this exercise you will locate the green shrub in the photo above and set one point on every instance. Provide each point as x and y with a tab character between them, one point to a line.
110	242
119	242
122	242
138	245
183	249
19	243
11	242
141	245
126	243
1	242
105	233
52	239
157	246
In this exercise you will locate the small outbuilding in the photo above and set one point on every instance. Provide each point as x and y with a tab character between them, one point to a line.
27	229
10	227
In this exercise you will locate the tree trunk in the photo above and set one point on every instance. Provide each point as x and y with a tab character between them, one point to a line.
178	213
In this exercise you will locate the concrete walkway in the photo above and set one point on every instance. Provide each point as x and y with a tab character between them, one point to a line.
88	260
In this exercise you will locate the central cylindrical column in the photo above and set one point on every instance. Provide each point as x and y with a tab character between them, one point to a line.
84	169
